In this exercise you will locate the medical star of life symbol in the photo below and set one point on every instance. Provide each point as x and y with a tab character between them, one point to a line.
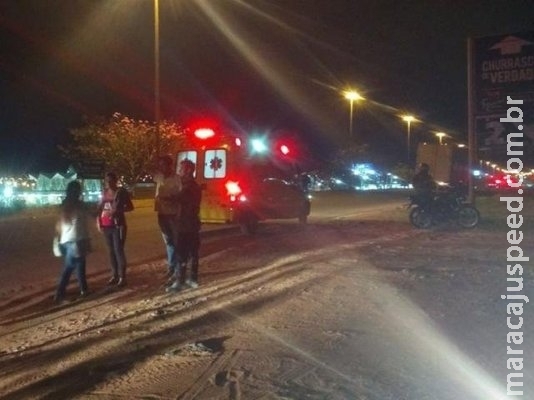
216	163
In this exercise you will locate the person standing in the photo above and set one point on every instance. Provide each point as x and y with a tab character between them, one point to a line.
111	221
168	186
188	228
73	232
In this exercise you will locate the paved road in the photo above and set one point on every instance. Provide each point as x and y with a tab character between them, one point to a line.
25	245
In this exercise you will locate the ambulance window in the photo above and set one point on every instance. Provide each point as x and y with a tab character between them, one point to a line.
186	155
215	164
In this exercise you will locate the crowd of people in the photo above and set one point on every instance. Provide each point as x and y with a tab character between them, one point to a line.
177	205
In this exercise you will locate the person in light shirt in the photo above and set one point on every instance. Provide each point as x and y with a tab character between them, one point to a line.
167	206
72	229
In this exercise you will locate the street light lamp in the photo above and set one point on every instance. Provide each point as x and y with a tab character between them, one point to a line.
441	135
408	119
352	96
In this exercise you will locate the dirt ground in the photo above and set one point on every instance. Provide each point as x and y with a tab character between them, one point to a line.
367	309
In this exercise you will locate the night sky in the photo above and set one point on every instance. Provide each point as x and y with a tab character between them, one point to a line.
255	65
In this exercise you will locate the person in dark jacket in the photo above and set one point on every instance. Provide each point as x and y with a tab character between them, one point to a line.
424	184
112	223
188	228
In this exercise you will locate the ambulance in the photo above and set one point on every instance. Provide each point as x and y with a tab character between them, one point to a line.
242	182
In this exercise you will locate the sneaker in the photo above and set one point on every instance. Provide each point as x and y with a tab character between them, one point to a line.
121	282
113	280
170	281
170	273
175	287
191	283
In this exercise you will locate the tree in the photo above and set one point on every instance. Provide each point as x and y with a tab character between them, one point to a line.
128	147
346	157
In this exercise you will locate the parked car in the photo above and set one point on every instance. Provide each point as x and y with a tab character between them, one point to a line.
270	198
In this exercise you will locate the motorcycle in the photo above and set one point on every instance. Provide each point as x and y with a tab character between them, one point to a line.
448	204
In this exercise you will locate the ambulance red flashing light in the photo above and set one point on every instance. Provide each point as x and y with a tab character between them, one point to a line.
204	133
284	149
208	133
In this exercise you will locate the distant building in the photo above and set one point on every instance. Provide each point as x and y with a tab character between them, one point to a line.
51	186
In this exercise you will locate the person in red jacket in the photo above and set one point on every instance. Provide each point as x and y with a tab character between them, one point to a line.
112	223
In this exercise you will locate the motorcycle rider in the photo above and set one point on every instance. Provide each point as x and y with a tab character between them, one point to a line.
424	184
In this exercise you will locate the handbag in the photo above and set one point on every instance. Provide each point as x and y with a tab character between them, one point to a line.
56	247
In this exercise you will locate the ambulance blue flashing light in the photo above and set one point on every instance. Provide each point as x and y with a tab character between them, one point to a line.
258	146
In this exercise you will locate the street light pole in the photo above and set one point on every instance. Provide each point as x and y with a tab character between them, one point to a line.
408	119
156	74
351	113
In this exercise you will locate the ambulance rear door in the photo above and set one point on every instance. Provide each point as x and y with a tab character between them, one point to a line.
211	174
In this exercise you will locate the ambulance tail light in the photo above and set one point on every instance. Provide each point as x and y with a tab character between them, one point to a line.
234	191
233	188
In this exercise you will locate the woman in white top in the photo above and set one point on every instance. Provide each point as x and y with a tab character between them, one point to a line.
72	228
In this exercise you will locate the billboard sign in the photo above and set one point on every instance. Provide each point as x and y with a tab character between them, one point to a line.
503	67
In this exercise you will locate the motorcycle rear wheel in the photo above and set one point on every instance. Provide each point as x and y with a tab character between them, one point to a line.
468	216
420	218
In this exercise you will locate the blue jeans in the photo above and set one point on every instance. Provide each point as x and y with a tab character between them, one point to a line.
115	239
168	225
72	261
